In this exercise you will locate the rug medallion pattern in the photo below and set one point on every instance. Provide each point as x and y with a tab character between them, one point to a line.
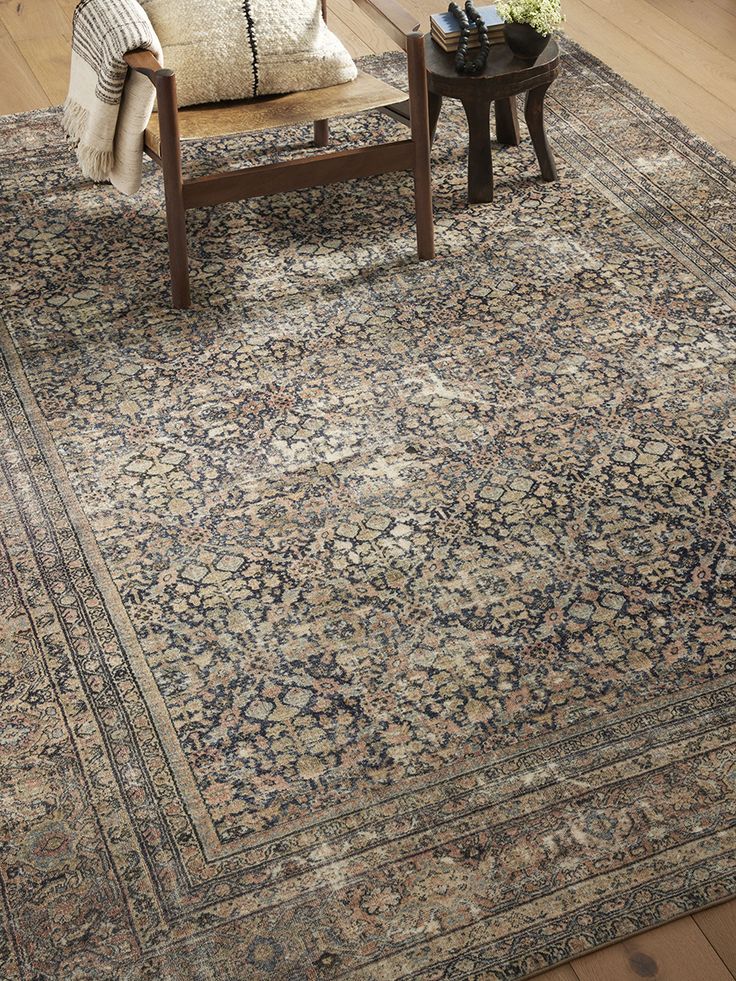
373	619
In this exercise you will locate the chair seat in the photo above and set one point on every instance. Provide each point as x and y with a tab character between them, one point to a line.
274	111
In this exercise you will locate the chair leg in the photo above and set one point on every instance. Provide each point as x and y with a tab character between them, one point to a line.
322	126
173	189
420	134
178	257
321	132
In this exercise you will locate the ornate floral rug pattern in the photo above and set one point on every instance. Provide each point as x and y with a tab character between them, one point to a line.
372	619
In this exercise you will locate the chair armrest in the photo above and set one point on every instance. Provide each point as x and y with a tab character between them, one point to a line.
164	82
392	18
144	62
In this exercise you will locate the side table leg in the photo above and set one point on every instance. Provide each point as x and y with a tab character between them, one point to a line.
507	122
480	165
534	115
435	107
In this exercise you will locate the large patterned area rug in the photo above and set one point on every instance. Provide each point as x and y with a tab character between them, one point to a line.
374	619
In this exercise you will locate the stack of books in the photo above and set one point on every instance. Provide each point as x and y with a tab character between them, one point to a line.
446	30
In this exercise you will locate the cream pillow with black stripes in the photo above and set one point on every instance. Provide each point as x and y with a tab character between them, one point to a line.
235	49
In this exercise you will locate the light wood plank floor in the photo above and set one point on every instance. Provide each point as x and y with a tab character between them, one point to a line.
682	53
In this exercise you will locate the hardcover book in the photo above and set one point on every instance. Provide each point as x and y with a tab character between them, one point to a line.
445	25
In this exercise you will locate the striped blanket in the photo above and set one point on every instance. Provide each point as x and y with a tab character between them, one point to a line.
107	110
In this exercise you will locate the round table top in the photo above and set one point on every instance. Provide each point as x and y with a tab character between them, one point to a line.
504	74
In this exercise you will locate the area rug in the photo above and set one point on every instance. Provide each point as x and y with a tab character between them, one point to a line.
374	619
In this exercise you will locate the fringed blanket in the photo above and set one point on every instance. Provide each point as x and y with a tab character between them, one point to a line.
104	114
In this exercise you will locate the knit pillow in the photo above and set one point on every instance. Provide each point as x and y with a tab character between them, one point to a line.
235	49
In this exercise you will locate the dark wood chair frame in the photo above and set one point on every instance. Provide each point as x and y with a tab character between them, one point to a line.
412	154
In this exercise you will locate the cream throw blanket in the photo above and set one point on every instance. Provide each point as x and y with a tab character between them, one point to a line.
107	110
219	49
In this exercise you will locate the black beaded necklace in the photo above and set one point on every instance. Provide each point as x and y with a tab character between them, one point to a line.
464	17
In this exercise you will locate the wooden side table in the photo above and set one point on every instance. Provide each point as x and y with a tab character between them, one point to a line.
504	77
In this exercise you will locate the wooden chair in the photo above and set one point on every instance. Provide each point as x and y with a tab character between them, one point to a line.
170	126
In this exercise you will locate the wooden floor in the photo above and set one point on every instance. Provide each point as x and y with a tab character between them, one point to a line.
682	53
